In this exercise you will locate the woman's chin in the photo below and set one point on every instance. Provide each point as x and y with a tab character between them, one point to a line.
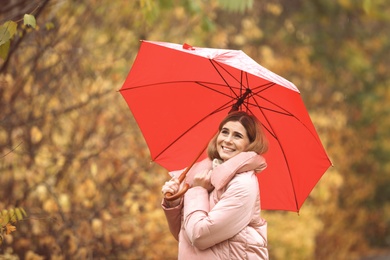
226	156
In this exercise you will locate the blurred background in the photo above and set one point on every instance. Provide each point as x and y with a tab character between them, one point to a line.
73	157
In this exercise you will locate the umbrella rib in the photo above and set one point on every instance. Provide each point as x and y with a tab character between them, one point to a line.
223	107
176	81
263	87
230	74
240	82
287	113
214	63
200	83
210	88
281	148
260	108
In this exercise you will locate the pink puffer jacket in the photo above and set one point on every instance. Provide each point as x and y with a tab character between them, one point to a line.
226	223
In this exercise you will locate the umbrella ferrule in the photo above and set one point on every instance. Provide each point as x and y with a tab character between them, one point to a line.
240	100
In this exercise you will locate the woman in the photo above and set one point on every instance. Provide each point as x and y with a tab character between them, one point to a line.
219	216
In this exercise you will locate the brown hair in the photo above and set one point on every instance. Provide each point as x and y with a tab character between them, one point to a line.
257	138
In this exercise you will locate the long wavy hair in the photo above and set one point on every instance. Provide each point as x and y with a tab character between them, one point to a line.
258	141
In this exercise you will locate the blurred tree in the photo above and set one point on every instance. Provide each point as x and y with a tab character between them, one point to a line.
76	160
345	60
351	49
335	52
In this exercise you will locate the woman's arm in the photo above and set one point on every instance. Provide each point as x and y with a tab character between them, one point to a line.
173	216
172	209
230	215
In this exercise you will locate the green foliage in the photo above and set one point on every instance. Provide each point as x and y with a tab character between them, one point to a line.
12	215
8	218
7	31
234	5
29	20
4	49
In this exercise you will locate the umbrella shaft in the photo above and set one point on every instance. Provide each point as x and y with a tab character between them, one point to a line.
240	100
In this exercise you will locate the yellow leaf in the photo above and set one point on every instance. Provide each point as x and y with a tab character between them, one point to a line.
4	212
23	212
12	215
29	19
18	214
9	228
4	50
5	217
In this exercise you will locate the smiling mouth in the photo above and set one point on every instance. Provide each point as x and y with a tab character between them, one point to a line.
227	149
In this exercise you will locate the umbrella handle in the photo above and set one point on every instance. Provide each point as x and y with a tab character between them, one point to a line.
169	196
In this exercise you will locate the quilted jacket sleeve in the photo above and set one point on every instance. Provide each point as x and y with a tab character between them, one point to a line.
229	216
173	216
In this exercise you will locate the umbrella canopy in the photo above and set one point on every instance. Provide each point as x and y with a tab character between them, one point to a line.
178	94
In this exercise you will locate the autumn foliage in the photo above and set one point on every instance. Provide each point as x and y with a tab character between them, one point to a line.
72	156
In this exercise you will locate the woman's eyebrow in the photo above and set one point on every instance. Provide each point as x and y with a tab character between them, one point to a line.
239	133
234	132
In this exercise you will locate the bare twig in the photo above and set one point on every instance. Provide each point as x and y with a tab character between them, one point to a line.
13	149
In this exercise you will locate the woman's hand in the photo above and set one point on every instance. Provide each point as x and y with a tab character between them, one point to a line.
203	179
172	186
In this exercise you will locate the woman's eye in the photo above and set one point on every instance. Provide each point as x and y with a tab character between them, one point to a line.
223	131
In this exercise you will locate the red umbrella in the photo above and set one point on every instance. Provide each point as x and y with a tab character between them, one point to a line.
178	95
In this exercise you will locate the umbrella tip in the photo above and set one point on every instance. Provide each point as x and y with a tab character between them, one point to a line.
188	47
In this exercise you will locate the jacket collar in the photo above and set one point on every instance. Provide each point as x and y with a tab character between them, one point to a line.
223	172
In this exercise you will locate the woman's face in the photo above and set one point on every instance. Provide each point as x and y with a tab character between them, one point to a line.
231	140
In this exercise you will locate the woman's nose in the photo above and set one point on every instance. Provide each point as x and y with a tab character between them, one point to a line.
228	139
